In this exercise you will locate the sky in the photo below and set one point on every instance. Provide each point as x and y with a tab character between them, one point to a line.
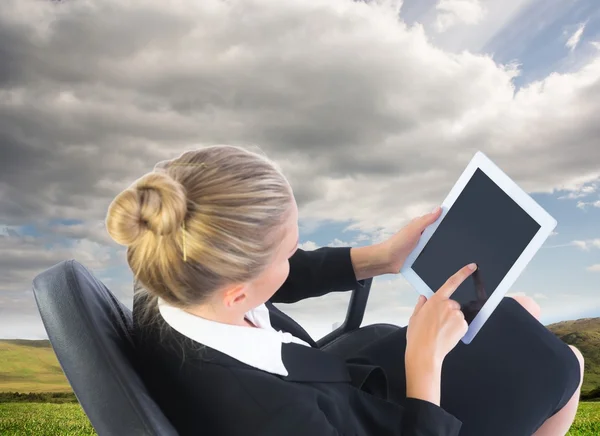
371	108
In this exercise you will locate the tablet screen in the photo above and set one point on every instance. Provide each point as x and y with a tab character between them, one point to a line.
485	226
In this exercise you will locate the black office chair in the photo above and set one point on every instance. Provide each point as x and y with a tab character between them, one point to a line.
89	332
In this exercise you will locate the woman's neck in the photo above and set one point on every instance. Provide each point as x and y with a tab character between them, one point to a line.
210	313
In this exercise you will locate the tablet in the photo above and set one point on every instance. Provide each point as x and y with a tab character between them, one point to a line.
487	219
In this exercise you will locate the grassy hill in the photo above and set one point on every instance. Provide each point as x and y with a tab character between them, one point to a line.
31	366
585	335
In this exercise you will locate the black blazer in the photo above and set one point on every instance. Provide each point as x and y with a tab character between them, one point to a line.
205	392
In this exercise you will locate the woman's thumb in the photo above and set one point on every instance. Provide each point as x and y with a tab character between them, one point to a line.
420	302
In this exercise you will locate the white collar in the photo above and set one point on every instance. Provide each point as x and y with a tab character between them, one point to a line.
258	347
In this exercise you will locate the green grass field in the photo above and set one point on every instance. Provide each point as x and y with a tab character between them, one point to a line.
587	421
42	419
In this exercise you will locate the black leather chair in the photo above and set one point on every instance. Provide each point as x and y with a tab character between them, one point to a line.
89	332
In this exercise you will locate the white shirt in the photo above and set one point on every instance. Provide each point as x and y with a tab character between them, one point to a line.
258	347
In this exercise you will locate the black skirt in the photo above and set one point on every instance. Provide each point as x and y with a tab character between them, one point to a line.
511	378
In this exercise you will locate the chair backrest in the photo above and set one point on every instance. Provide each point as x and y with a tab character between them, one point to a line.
89	332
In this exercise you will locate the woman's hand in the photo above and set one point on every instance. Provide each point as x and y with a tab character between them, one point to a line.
398	247
434	329
437	324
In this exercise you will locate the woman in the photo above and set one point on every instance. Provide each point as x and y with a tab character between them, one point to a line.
212	238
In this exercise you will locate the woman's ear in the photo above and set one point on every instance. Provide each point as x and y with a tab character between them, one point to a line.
235	295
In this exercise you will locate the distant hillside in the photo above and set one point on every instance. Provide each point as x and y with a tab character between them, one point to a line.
584	334
30	366
40	343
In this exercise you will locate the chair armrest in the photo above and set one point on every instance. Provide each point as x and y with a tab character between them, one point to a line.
354	314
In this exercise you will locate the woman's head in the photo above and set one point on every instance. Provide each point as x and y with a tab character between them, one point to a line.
235	211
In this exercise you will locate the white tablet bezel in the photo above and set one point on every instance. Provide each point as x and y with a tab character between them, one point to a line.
544	219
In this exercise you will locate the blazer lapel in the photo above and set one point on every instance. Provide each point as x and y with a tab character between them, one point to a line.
303	364
281	321
311	364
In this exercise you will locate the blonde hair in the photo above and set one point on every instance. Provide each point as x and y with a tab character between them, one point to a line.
226	202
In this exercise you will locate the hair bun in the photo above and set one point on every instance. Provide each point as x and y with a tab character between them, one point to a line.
155	202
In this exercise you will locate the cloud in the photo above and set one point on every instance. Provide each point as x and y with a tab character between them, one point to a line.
575	37
498	27
8	232
94	231
594	268
453	12
394	6
120	98
580	192
310	245
370	121
587	244
23	257
535	296
583	205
